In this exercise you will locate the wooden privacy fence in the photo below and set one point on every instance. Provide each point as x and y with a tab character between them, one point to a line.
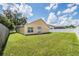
4	32
62	30
75	30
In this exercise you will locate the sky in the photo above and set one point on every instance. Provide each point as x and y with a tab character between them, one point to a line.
51	13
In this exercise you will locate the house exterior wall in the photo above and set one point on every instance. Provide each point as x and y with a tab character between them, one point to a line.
59	27
51	27
21	30
35	26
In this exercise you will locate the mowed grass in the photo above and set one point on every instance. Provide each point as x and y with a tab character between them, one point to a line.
56	44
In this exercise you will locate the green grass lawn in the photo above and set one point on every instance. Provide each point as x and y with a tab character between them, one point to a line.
55	44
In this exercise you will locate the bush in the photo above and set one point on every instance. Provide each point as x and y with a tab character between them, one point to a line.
6	22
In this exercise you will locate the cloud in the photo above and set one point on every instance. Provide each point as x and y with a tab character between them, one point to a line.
75	13
55	6
70	18
63	20
51	18
51	6
75	22
25	9
70	10
4	6
59	12
66	21
77	3
73	8
70	5
67	10
63	17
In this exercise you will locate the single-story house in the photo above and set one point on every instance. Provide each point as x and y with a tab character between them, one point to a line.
51	26
59	27
56	27
35	27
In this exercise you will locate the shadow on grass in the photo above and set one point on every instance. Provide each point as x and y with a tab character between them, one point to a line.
37	34
31	34
3	47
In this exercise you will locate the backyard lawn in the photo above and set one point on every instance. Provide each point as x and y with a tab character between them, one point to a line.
55	44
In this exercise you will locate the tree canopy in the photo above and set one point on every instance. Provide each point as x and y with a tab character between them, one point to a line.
11	20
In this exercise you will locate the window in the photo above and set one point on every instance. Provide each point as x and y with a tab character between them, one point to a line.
39	27
30	29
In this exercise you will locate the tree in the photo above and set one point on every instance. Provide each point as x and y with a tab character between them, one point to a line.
11	13
21	21
13	18
6	22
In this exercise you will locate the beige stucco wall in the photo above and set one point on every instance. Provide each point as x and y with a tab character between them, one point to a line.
21	30
35	25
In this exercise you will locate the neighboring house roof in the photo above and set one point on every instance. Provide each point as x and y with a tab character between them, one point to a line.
56	26
50	25
59	26
37	21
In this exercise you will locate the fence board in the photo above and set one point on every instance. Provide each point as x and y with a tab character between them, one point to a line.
4	31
